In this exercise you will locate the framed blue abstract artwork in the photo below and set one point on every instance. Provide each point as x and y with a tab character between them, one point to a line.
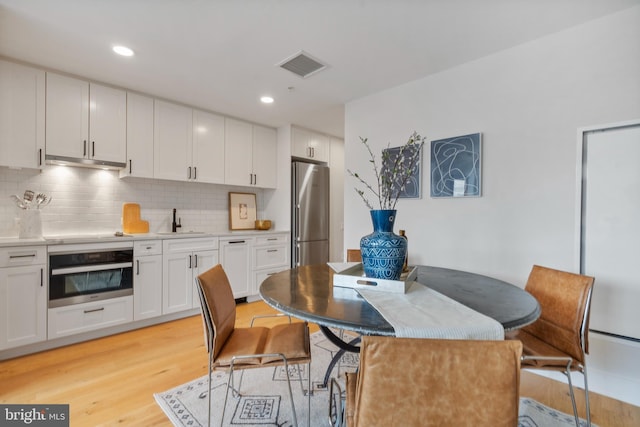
412	187
456	166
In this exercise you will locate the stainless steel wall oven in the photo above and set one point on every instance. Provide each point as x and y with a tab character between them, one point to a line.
89	272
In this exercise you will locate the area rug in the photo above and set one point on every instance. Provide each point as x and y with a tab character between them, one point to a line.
264	399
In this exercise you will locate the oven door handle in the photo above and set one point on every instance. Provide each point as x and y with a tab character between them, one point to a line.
89	268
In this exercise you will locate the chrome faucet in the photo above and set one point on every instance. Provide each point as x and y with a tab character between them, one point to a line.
175	225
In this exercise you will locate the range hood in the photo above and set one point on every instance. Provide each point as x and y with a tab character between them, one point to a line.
82	162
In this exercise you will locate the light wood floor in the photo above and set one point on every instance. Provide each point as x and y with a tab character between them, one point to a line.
111	380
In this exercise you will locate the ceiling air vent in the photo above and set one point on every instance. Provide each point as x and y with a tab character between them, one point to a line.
302	64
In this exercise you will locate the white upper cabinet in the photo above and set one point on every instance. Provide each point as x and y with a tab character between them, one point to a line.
265	157
250	154
309	145
189	144
22	99
139	137
85	121
208	147
173	137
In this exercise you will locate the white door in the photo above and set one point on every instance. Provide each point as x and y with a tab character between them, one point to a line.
173	135
67	123
22	101
23	306
235	259
139	136
107	123
147	287
238	151
611	231
177	287
265	159
208	147
203	261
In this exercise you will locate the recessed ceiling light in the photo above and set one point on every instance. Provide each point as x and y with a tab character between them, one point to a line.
123	50
266	99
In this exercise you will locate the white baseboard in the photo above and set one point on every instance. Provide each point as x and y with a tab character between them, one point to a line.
612	368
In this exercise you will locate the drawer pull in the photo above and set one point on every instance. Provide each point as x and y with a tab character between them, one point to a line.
33	255
272	250
94	310
272	238
232	242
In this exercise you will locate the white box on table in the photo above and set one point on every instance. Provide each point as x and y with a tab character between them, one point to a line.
354	277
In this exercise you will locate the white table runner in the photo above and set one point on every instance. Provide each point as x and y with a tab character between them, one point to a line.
424	313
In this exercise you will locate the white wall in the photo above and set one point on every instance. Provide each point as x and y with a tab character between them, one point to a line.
528	102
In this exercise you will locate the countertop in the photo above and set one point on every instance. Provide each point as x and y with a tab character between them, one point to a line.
111	237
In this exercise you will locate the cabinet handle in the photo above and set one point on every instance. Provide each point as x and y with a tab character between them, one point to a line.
40	157
190	261
137	267
41	277
272	250
93	148
33	255
196	257
94	310
189	173
272	238
195	172
84	150
232	242
129	166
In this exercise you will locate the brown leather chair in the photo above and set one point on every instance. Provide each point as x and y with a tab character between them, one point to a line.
354	255
558	340
431	382
232	348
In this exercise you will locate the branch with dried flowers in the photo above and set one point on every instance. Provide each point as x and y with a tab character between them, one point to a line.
394	174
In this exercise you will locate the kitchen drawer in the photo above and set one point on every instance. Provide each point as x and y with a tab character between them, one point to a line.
272	239
271	256
75	319
23	255
147	247
189	245
262	275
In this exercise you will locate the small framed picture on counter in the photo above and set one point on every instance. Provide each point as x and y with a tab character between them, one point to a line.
242	211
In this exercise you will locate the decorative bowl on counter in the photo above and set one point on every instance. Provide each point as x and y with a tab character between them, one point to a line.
263	224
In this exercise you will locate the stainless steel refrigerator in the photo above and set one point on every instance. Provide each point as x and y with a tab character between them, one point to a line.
310	214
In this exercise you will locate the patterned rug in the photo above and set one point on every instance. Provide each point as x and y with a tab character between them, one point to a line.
265	401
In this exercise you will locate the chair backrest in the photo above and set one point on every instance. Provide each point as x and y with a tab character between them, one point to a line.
218	307
433	382
565	300
354	255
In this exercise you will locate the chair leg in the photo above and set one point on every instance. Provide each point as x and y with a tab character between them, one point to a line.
573	397
293	406
209	397
586	395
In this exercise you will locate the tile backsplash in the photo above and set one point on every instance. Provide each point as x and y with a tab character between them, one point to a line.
90	201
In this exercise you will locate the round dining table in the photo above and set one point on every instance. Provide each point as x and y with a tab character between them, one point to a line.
308	293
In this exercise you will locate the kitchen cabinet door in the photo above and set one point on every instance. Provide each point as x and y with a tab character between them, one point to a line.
22	125
107	123
309	145
208	148
23	306
238	152
265	158
177	286
139	137
67	109
173	137
204	260
147	287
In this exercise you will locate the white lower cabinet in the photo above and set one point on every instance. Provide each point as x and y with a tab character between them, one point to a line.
235	257
182	261
270	255
78	318
147	279
23	296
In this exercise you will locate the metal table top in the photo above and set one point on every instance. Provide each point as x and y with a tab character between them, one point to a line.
308	293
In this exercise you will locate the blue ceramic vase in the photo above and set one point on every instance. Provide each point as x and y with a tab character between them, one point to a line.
383	251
